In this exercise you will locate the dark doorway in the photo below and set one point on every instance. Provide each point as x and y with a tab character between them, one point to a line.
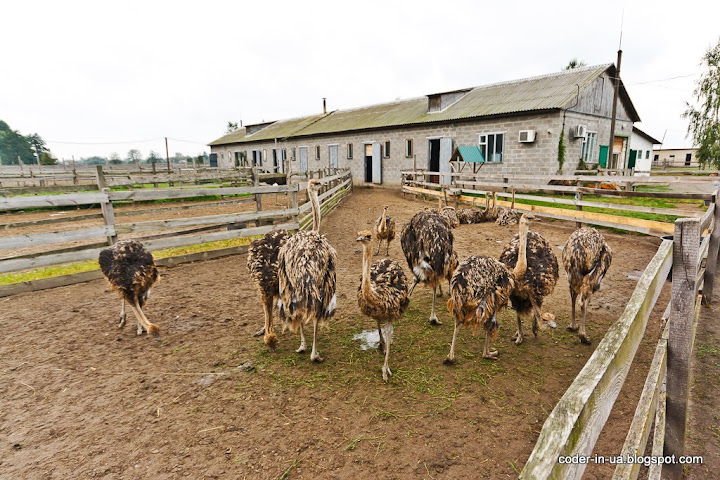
688	158
368	163
434	160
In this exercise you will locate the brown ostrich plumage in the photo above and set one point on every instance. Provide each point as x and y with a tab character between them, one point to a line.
262	263
382	294
306	272
586	258
479	289
536	281
384	230
131	271
427	242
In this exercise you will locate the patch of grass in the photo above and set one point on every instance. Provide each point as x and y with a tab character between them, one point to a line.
704	350
79	267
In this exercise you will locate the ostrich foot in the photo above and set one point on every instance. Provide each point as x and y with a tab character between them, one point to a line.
439	293
301	349
492	355
434	320
518	338
123	316
449	360
316	358
386	373
260	332
140	329
584	339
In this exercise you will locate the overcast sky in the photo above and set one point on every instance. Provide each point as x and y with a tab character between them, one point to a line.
94	78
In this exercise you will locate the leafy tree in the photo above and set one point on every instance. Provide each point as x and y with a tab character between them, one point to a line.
575	63
94	160
178	158
134	155
153	157
231	127
561	151
14	145
704	122
47	159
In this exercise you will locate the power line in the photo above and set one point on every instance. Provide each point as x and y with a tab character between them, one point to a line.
663	79
105	143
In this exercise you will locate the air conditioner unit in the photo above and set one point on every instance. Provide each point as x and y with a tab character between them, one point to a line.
580	131
527	136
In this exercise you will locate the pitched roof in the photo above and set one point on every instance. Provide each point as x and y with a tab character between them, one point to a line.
647	137
546	92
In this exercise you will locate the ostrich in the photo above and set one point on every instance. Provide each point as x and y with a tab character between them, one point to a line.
262	263
479	289
131	270
535	268
427	242
382	295
306	273
508	216
384	230
586	258
449	214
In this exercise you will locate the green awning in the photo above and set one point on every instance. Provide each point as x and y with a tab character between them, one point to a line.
468	154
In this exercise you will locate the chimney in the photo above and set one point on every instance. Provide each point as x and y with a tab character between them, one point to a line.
324	106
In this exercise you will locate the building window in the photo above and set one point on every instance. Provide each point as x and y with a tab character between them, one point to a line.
317	152
243	158
491	146
293	154
256	158
647	154
349	151
587	149
656	158
408	148
284	154
386	149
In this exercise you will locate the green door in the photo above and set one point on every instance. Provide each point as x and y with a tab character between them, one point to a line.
631	160
602	160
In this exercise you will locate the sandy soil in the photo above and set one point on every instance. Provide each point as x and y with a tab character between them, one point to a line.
80	398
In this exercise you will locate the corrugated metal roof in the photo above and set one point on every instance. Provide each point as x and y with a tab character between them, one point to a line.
537	93
470	154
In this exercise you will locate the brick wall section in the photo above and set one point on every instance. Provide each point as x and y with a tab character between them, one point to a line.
539	157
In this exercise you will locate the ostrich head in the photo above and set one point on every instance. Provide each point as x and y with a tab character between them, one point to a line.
314	185
364	237
525	219
385	207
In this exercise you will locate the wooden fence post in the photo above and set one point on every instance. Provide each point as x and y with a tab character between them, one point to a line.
295	204
712	257
258	197
686	246
107	208
578	197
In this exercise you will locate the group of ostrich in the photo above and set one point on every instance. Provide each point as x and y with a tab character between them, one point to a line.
297	274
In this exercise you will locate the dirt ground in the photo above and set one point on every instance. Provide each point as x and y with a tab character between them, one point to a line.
80	398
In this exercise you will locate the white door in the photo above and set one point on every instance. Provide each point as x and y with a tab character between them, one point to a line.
376	164
445	154
333	149
303	159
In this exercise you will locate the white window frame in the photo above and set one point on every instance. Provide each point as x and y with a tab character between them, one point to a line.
588	154
483	144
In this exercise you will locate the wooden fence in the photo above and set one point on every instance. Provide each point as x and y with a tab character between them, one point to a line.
176	232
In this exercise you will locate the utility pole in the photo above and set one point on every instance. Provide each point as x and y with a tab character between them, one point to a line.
167	155
611	144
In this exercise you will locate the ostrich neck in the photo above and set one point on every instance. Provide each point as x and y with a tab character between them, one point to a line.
315	211
521	265
365	286
440	205
383	222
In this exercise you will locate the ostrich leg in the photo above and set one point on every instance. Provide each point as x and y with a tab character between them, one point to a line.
518	337
123	315
378	250
302	340
386	368
585	299
269	335
487	351
573	298
412	287
314	355
387	248
450	359
381	346
439	294
433	318
143	322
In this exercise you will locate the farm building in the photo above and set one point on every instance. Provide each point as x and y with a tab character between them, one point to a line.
516	125
641	146
675	157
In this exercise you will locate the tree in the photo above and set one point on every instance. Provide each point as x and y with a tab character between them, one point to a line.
153	157
134	155
231	127
704	123
115	159
47	159
575	63
178	158
14	145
